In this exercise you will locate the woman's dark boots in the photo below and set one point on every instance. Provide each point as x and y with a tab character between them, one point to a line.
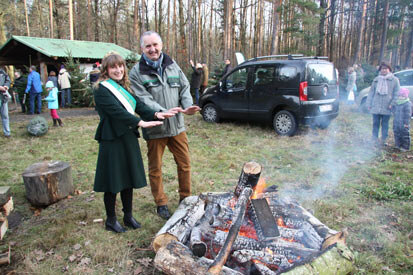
126	197
55	122
112	224
60	122
130	221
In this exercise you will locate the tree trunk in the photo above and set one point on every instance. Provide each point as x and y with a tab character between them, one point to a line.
27	18
321	33
160	17
383	43
357	52
71	19
48	182
332	29
184	55
228	13
409	51
189	31
136	22
168	25
275	20
96	14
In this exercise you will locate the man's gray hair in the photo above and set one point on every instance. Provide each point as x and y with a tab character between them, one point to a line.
147	33
33	67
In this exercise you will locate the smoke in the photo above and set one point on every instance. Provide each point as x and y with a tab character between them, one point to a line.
330	155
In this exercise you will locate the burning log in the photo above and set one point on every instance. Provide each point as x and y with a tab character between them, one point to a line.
176	258
264	221
244	256
179	226
239	243
233	231
250	175
198	247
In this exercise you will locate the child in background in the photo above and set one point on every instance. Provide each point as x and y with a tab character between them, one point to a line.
53	104
401	123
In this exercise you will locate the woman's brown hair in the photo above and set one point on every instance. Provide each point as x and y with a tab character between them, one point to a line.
112	59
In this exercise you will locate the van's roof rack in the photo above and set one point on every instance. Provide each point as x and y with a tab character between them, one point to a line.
311	57
289	56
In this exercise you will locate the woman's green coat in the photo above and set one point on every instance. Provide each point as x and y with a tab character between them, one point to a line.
119	164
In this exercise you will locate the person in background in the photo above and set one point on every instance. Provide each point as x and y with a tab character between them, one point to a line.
52	77
119	165
4	99
351	87
196	79
205	76
53	103
19	86
64	83
159	82
401	122
34	89
382	97
227	68
94	74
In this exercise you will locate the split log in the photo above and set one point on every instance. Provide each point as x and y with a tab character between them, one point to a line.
48	182
249	177
3	228
197	246
179	226
246	255
340	237
5	258
239	243
4	194
8	207
176	258
233	231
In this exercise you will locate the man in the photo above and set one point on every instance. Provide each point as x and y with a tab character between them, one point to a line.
205	76
227	67
64	83
159	82
4	98
196	79
34	89
19	86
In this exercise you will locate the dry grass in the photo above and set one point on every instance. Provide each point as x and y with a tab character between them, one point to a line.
326	170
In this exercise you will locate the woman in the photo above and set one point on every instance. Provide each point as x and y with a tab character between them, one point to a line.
119	165
381	98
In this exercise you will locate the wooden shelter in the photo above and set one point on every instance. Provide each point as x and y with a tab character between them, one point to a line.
48	54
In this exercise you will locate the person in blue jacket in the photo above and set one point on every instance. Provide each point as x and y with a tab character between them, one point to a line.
53	103
34	89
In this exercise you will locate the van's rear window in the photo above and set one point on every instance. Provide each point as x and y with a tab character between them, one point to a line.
318	74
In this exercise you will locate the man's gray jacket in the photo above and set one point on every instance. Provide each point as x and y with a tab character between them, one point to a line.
162	93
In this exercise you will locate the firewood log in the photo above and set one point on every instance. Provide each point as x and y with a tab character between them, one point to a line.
249	177
176	258
3	228
5	258
239	214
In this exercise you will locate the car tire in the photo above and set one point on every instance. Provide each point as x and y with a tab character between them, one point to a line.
284	123
363	107
210	113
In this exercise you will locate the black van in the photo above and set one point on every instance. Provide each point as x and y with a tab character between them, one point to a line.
286	93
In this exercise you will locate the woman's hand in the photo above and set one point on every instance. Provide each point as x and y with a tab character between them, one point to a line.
149	124
163	115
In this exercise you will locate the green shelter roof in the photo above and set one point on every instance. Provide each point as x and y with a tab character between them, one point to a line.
61	47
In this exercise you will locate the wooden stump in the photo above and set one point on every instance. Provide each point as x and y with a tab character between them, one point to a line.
48	182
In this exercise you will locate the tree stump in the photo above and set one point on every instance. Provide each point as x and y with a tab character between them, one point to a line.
48	182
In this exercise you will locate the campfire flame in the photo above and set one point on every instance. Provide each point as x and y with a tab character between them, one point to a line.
259	188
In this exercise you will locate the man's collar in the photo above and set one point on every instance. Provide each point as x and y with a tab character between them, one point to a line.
144	68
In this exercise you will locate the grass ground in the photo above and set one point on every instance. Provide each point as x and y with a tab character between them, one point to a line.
335	173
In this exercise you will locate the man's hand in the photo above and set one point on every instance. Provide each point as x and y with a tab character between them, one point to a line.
149	124
163	115
175	110
192	62
191	110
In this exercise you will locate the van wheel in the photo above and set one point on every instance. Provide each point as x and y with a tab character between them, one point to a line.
284	123
210	113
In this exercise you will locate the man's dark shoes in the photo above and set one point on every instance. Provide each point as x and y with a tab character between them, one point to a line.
114	226
131	222
163	212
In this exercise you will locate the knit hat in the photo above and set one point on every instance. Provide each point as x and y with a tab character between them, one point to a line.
49	84
404	92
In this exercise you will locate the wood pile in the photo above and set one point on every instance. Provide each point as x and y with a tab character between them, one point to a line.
6	206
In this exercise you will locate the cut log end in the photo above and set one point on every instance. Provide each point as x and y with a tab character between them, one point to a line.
162	241
199	249
252	168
